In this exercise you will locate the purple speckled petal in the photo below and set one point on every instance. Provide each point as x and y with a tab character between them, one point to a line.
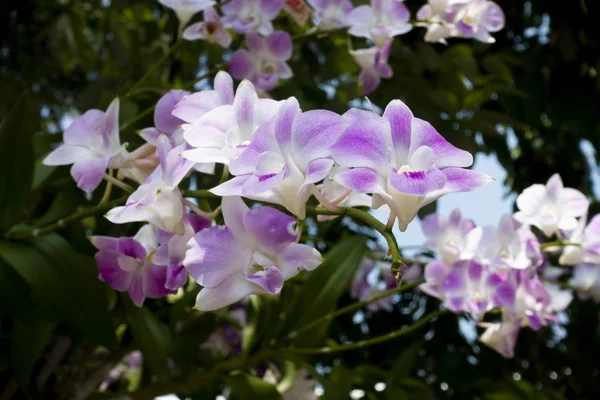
270	279
400	118
418	183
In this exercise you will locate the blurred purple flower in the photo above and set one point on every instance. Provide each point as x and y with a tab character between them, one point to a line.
380	21
331	14
210	29
264	63
374	65
447	235
246	16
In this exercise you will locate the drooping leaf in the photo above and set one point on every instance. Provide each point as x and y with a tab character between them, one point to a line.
248	387
28	343
322	289
151	336
16	160
16	296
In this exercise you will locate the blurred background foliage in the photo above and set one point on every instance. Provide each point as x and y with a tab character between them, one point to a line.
531	99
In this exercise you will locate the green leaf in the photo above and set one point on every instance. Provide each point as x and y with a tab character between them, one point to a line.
248	387
27	346
322	289
262	321
403	365
151	336
16	160
16	297
64	284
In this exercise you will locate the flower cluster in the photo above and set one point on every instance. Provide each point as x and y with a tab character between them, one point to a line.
264	62
485	268
276	153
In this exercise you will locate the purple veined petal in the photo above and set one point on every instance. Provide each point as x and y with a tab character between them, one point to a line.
67	154
136	289
400	118
163	117
234	209
262	141
317	170
210	129
298	257
124	214
242	65
369	80
289	110
279	45
110	272
417	183
154	281
313	134
493	17
89	173
243	105
87	129
111	125
270	279
363	180
231	290
232	187
365	144
213	254
423	134
224	87
554	186
270	8
354	115
270	228
176	166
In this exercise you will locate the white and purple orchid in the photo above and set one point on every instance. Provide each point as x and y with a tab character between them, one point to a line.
286	158
331	14
374	65
254	253
447	235
246	16
210	29
586	243
373	278
380	21
158	200
264	63
586	280
223	133
551	207
123	264
186	9
91	144
403	161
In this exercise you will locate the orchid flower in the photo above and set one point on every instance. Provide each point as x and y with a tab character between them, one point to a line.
158	200
587	239
264	63
246	16
210	29
552	207
123	265
501	336
446	235
374	66
286	158
478	18
380	21
223	133
373	278
254	253
331	14
586	279
403	161
164	121
91	144
185	9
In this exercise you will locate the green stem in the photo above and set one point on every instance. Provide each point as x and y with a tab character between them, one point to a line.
558	243
352	307
372	222
61	223
153	68
369	342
